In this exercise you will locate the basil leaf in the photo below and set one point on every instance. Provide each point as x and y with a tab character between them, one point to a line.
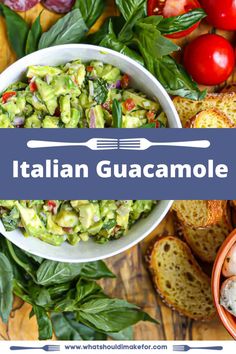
6	287
125	334
69	29
111	41
129	7
111	315
117	114
66	327
17	30
182	22
34	36
86	288
96	270
91	10
172	76
100	91
50	273
152	41
44	323
11	220
126	32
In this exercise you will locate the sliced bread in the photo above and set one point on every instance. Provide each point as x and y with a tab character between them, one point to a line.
206	242
199	213
179	279
224	102
210	118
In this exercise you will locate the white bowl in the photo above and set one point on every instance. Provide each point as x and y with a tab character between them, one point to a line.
140	79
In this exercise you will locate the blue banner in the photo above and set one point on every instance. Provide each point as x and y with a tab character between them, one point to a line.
117	164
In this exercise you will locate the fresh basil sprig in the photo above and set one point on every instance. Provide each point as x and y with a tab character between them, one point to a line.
65	297
117	114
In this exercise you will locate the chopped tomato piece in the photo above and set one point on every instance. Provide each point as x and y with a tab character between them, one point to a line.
33	87
156	122
150	115
52	203
89	68
129	104
7	95
125	81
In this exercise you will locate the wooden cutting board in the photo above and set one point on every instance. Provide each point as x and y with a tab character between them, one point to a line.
133	282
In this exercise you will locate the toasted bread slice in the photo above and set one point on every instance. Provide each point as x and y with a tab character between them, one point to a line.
224	102
210	118
179	279
199	213
206	242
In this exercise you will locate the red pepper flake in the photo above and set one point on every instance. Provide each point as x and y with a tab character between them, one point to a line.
89	69
125	81
7	95
33	87
129	104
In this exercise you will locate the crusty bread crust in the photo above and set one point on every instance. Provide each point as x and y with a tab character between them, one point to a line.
167	298
224	102
214	211
210	118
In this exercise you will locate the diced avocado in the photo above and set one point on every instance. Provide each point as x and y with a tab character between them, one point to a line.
14	107
54	240
139	207
95	228
66	218
73	239
123	221
141	101
162	118
98	67
110	73
141	114
74	120
41	71
5	121
63	85
65	109
9	204
84	100
36	102
88	214
80	76
77	203
33	122
48	95
50	122
95	115
132	122
53	228
30	220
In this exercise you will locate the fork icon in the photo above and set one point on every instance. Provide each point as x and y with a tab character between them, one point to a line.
46	348
92	144
142	144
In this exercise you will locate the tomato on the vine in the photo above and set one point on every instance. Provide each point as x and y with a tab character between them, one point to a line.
209	59
221	13
170	8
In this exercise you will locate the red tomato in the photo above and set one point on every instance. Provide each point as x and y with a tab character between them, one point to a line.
209	59
89	69
221	13
33	86
170	8
129	104
125	81
7	95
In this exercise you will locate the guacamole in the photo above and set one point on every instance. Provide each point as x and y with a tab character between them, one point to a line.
56	221
76	95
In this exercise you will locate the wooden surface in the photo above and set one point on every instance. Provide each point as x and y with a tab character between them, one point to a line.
133	282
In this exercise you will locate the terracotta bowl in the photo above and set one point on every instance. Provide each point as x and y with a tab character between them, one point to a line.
228	320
